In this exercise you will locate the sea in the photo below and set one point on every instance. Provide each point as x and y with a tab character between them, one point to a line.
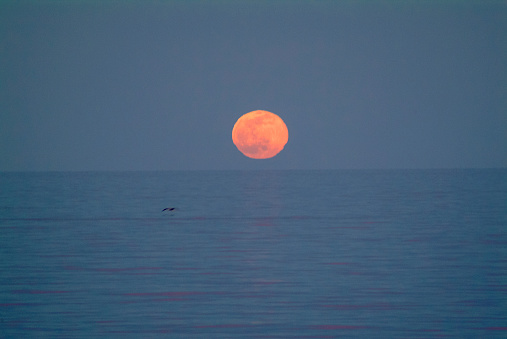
254	254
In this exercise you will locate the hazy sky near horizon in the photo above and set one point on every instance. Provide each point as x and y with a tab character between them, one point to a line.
158	85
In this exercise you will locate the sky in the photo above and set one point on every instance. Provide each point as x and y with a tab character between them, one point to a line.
158	85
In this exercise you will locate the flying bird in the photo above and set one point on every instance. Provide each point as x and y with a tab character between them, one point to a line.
169	209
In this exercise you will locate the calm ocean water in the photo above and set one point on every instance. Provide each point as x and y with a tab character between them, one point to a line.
259	254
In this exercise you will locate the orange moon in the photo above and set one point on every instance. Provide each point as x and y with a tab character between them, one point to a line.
260	134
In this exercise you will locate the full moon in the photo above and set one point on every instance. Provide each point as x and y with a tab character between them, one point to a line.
260	134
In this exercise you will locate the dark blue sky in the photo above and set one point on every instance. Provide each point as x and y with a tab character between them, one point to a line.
158	85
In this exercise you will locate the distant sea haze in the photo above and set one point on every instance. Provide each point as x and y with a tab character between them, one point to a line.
254	254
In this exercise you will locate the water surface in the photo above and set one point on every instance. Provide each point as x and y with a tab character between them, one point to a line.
261	254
